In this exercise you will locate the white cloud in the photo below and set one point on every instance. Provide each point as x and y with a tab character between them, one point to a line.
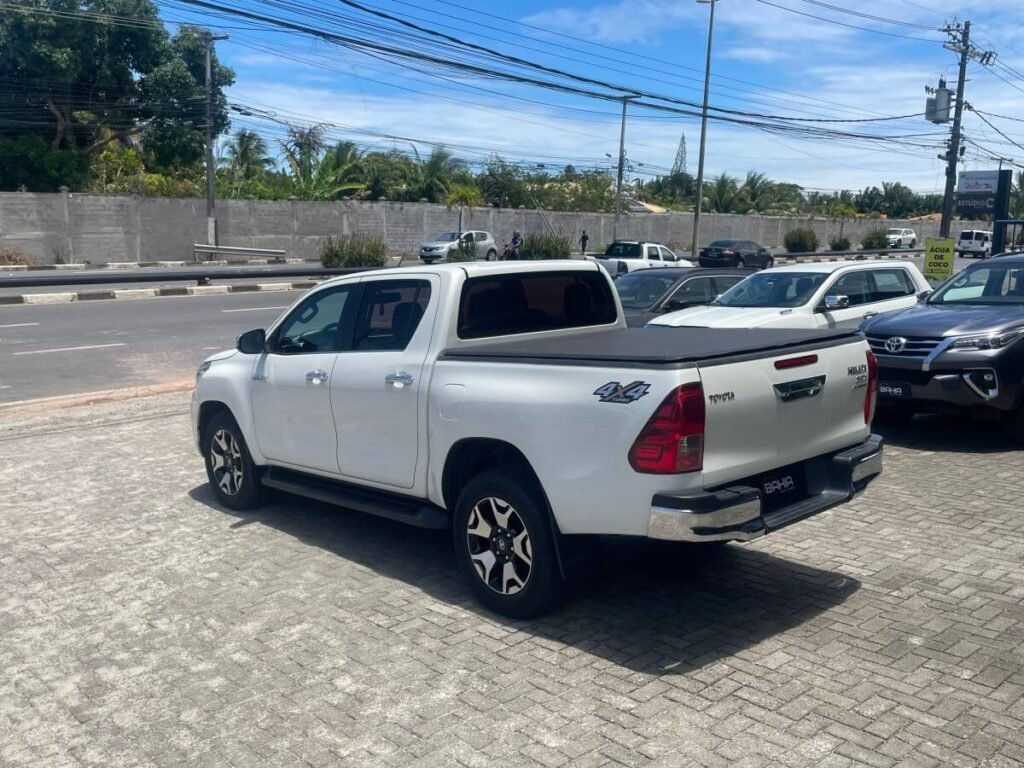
622	22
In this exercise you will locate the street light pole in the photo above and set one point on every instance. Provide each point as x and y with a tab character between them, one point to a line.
211	221
703	133
622	162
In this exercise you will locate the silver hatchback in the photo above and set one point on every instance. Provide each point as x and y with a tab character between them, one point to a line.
437	249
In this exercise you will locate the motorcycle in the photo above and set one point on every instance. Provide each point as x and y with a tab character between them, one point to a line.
511	252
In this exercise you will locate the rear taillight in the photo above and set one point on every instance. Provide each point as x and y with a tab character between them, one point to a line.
672	441
871	396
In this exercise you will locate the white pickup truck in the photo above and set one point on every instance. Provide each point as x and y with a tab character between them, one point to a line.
509	403
624	256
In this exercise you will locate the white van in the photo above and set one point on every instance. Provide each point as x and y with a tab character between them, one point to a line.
974	242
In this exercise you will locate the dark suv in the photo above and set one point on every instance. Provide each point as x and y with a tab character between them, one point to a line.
960	349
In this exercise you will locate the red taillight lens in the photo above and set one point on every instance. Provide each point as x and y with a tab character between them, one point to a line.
871	396
672	441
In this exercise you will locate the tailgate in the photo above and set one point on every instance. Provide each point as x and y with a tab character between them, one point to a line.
767	413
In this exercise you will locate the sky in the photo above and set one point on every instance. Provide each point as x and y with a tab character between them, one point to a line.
769	57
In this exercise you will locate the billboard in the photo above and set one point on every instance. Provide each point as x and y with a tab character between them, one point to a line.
980	192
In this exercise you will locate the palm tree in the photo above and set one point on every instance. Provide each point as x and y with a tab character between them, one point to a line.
436	175
247	156
721	195
758	191
463	195
319	173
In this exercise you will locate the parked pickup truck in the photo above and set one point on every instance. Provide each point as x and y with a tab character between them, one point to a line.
624	256
509	403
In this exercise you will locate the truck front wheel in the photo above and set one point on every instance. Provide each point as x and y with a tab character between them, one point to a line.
504	543
233	476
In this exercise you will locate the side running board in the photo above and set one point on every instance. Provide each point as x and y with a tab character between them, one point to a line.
415	512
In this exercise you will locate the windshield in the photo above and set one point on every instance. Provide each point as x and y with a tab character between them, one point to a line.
767	289
447	237
640	290
895	232
989	284
624	251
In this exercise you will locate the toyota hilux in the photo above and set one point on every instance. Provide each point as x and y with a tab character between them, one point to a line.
510	404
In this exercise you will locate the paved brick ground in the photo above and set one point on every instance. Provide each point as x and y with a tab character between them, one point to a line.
140	625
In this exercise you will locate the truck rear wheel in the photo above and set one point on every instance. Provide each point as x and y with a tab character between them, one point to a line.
504	543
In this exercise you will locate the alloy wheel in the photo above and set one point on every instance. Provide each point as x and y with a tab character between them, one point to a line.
499	545
226	462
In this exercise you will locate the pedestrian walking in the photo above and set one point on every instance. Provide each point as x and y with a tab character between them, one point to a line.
584	239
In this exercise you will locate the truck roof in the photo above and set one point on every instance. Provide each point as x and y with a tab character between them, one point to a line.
480	268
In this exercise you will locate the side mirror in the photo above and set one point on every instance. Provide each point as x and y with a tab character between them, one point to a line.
923	296
675	305
252	342
835	301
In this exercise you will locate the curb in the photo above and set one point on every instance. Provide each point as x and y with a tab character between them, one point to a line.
122	265
786	260
130	294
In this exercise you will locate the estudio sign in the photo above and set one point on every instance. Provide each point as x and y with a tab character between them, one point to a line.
976	192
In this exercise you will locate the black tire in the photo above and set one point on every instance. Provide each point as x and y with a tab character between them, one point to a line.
482	548
1014	425
492	255
913	243
770	262
899	243
242	488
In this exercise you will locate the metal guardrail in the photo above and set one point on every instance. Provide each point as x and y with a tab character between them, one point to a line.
237	251
198	276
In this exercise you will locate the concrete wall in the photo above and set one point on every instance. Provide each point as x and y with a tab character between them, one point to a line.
100	228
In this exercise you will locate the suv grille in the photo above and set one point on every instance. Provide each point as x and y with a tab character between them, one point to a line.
917	347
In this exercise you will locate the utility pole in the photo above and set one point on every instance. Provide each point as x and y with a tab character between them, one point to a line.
959	43
211	221
699	203
622	163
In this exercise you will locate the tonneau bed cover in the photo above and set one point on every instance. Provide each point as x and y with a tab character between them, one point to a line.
655	346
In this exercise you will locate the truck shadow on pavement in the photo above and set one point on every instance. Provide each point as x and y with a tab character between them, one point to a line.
948	434
651	607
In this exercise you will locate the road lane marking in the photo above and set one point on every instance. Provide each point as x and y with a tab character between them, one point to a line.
69	349
247	309
18	325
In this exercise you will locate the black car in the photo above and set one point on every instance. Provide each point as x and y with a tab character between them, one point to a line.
737	254
961	349
647	293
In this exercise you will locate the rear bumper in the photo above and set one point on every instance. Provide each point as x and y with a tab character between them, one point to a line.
735	513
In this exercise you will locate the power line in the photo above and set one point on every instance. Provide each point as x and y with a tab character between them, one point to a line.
989	124
850	26
869	16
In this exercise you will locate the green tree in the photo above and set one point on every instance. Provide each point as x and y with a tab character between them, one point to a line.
721	196
247	155
436	175
1017	199
463	195
502	183
318	172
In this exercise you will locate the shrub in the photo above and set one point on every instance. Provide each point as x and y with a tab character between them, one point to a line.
801	241
874	240
545	247
353	251
13	257
839	244
466	251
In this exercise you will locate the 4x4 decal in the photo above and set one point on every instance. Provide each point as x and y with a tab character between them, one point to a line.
613	392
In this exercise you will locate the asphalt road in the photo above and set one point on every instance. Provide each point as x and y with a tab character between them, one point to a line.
80	348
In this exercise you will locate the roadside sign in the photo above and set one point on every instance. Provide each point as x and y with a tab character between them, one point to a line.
938	259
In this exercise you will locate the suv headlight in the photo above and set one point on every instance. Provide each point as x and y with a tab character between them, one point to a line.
203	369
988	341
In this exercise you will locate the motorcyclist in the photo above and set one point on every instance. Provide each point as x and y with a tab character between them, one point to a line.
515	245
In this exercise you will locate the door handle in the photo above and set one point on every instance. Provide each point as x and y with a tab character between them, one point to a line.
318	376
870	314
400	379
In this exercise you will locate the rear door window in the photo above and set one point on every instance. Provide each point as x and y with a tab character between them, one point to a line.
390	313
506	305
891	284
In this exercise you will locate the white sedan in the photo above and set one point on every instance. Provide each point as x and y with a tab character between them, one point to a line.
822	295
